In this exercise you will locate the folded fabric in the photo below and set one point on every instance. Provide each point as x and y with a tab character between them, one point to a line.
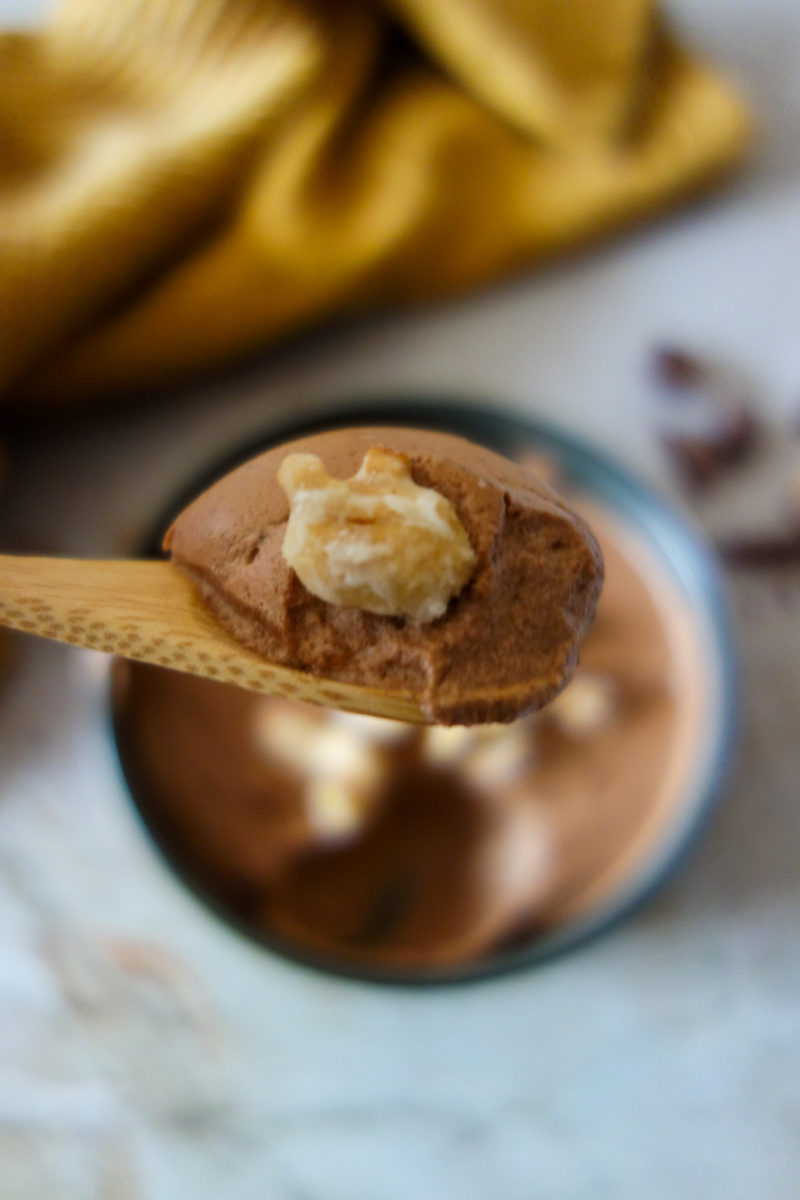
182	182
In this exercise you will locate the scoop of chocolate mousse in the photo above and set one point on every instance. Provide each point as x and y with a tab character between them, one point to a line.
522	593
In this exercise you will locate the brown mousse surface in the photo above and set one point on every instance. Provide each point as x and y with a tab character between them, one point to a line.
508	641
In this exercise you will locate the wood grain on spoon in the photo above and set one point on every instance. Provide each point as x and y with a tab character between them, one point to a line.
148	611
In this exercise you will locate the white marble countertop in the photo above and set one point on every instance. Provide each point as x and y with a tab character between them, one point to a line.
146	1053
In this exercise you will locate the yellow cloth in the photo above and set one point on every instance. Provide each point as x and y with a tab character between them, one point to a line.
182	181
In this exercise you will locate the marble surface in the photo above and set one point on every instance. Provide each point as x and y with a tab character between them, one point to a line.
146	1053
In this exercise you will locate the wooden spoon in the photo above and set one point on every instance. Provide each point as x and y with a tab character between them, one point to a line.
149	611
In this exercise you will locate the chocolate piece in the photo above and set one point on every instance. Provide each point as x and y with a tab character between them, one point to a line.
793	495
507	642
701	458
716	427
780	550
679	370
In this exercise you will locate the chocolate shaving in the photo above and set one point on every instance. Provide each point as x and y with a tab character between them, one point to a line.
693	459
719	427
701	459
679	370
780	550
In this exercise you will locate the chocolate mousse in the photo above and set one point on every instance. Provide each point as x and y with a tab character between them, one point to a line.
396	847
399	559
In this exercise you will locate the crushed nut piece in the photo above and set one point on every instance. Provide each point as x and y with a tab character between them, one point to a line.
377	541
342	774
489	756
586	705
335	807
446	745
501	757
372	731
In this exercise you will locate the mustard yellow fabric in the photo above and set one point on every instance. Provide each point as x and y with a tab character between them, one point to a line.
184	181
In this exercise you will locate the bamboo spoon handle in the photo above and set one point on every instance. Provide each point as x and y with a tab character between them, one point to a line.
149	611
